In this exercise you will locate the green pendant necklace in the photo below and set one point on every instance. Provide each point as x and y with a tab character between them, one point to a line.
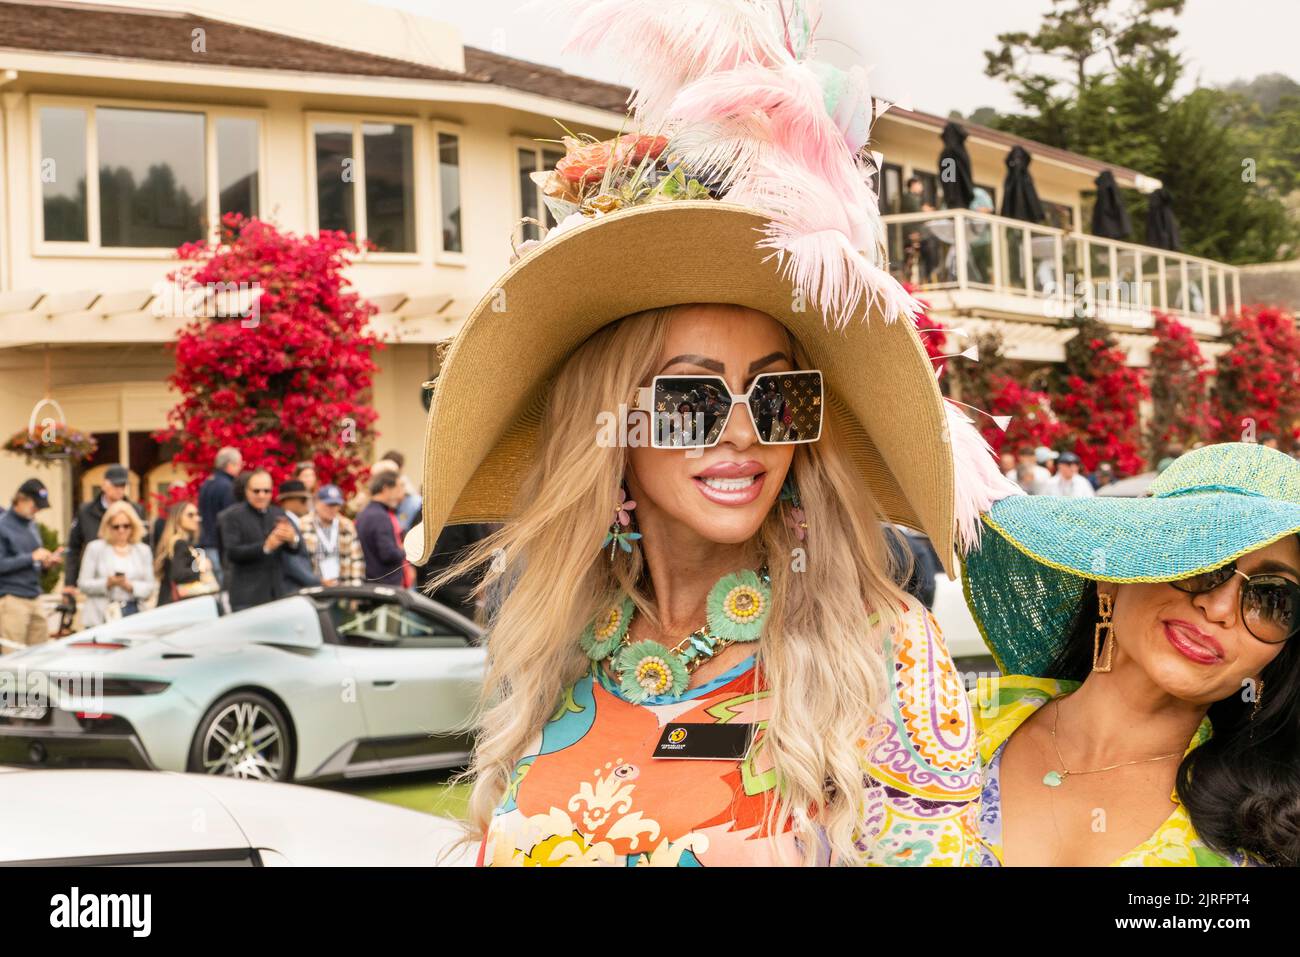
737	607
1054	779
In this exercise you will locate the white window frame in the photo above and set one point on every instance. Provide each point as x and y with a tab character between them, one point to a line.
419	149
448	257
91	248
518	143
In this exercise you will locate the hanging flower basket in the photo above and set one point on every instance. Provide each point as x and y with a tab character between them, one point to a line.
51	442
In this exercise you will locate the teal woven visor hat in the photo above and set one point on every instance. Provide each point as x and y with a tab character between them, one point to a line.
1025	582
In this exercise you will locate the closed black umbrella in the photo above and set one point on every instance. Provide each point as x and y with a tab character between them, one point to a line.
1109	217
1019	197
1162	227
954	168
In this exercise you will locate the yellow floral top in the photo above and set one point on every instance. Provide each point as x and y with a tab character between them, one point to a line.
1001	705
591	791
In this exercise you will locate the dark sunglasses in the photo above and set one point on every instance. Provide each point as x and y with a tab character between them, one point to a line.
692	411
118	526
1270	604
259	491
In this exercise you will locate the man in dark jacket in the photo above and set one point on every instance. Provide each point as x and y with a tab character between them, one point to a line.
216	494
252	535
379	532
85	529
22	559
296	502
452	544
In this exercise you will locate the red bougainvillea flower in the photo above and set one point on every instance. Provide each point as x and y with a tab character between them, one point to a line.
292	383
1257	386
587	163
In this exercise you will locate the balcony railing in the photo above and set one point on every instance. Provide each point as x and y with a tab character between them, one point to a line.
1055	273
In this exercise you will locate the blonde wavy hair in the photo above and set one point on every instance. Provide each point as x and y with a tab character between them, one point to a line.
819	657
121	507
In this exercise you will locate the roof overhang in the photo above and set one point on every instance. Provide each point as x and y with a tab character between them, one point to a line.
977	135
90	66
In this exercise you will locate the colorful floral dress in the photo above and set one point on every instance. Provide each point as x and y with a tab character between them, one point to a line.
1001	705
589	791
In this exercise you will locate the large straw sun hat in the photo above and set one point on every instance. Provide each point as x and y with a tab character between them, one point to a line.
757	196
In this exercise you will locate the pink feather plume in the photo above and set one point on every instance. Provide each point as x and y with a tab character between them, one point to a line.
665	44
977	480
826	249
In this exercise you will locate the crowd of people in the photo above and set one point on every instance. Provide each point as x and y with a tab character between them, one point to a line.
1043	471
244	539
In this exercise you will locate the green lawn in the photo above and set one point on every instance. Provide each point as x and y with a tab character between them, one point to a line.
430	792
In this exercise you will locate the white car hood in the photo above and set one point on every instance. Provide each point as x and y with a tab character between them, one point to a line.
73	813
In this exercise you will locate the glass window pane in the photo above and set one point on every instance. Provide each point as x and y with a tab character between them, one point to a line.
900	263
979	251
390	186
891	198
335	177
1216	305
1100	254
930	191
152	177
1150	291
549	159
237	165
528	193
1013	258
1174	298
1042	252
449	191
937	250
1072	254
1127	295
1195	288
63	174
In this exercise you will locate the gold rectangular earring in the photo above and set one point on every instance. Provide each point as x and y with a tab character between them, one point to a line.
1098	641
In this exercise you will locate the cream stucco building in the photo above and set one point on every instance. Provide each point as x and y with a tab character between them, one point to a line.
192	109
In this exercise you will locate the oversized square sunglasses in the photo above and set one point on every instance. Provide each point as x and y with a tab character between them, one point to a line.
692	411
1270	604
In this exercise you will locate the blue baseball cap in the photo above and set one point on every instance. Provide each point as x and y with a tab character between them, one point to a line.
330	495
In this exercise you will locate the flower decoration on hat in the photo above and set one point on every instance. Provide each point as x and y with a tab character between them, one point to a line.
603	635
730	103
738	605
649	670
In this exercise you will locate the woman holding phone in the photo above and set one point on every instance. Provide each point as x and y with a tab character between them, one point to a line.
116	568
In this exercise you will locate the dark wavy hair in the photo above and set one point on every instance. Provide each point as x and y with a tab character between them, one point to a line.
1242	787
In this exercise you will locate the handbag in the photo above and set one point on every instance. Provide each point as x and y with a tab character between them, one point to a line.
192	589
206	584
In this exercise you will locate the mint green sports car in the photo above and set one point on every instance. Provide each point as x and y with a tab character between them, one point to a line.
325	684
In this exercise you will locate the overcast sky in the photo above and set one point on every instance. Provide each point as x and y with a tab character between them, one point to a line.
925	53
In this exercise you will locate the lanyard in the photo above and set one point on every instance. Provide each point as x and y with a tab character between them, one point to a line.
329	544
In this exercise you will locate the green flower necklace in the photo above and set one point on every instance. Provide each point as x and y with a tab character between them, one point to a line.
736	609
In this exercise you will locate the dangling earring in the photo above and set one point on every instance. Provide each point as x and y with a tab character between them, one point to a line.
1099	642
796	519
1259	696
622	519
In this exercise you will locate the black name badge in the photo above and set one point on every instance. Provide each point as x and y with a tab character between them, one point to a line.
704	742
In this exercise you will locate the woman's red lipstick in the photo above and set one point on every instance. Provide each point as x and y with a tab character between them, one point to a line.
1192	643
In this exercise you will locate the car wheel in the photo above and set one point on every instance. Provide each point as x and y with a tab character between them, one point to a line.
243	735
